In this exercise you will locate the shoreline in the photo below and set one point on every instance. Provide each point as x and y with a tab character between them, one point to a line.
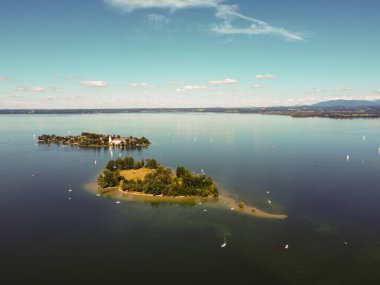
222	201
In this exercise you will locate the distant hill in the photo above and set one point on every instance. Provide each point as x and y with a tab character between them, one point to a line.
347	103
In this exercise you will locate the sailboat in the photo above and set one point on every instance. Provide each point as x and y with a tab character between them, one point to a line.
95	162
225	243
348	158
211	140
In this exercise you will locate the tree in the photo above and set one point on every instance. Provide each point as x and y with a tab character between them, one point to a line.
180	171
120	163
129	162
111	165
151	163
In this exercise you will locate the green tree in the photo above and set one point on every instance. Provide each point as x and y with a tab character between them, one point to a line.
151	163
129	162
111	165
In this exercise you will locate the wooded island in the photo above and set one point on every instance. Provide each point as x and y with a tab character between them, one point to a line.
149	177
96	140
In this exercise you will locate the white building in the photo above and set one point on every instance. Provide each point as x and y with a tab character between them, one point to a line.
114	141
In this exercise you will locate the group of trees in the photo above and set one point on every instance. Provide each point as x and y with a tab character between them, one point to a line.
129	163
161	181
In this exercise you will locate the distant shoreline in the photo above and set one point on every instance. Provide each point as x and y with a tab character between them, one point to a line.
295	112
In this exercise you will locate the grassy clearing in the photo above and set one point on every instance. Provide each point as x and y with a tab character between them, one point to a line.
135	173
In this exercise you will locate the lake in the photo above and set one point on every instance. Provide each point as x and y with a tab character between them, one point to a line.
50	235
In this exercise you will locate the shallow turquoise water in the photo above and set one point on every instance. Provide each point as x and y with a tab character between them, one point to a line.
333	227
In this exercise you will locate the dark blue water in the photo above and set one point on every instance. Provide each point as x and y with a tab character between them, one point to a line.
49	235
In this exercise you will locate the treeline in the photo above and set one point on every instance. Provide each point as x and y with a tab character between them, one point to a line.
161	181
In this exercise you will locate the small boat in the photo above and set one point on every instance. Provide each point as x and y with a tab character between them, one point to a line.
202	171
225	243
204	210
70	190
267	192
363	138
347	158
95	162
195	139
117	202
211	140
286	246
379	150
269	202
232	209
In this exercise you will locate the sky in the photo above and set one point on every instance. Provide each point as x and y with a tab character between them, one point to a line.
187	53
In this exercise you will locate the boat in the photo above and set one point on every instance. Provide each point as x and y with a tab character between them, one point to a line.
348	158
225	243
286	246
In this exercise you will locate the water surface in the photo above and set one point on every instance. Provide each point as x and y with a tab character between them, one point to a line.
50	235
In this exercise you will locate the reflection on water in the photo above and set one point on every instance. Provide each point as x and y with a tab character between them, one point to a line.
50	234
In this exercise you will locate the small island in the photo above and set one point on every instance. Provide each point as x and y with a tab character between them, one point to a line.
149	181
96	141
151	178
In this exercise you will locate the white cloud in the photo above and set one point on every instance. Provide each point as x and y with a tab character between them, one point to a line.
256	27
131	5
222	82
2	78
34	89
140	84
157	19
191	87
264	76
38	89
94	83
228	13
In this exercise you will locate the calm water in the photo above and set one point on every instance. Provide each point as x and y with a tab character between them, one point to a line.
333	229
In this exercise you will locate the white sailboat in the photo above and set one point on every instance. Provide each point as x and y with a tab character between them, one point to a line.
95	162
211	140
225	243
347	158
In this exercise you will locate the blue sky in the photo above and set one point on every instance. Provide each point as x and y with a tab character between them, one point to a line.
187	53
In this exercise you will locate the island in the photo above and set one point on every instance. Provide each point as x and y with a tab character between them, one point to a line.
96	140
151	178
149	181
